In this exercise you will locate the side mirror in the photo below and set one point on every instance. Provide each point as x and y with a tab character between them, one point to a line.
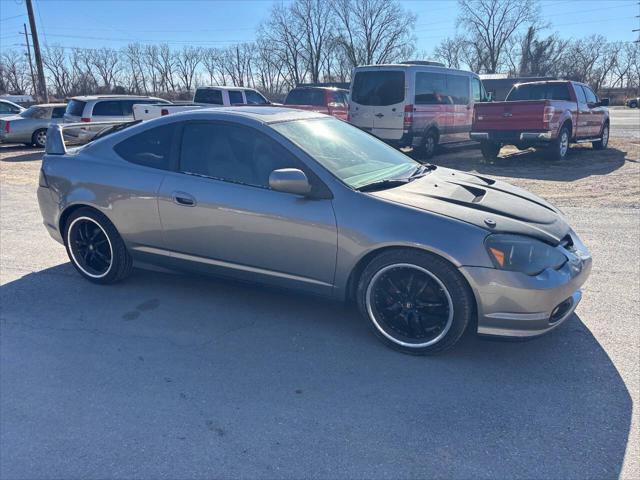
604	102
290	180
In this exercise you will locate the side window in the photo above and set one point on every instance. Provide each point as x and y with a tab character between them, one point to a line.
431	89
254	98
58	112
582	98
458	89
111	108
5	108
235	97
232	153
591	97
151	148
209	96
477	89
338	97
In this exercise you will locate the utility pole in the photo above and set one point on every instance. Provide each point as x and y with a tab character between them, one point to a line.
36	50
33	78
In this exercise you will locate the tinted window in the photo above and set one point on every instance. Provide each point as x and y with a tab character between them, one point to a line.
75	108
254	98
5	108
378	88
58	112
591	97
36	112
580	94
110	108
338	97
305	96
458	89
151	148
232	153
235	97
540	91
208	95
430	89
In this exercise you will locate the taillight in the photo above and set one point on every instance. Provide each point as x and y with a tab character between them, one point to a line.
408	117
547	116
164	112
7	127
85	119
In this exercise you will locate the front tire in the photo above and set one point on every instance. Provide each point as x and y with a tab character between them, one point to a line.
39	138
415	302
604	139
95	247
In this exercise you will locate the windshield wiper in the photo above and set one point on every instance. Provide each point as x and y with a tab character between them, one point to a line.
382	184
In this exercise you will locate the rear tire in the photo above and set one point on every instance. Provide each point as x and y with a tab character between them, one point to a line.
490	150
559	149
95	247
39	138
604	139
428	145
415	302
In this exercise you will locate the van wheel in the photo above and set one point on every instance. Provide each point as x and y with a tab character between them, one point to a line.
490	150
559	149
39	138
415	302
604	139
428	145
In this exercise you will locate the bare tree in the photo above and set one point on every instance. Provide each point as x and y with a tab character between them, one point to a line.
187	61
237	61
492	23
374	31
212	61
136	72
450	51
106	61
316	24
540	56
58	70
15	72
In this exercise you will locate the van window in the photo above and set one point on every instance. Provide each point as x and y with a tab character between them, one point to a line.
111	108
75	108
235	97
305	96
151	148
385	87
458	89
430	89
539	91
208	95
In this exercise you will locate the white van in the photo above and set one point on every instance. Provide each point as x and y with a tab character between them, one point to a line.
420	104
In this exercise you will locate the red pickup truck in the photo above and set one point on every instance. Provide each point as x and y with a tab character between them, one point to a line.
552	114
328	100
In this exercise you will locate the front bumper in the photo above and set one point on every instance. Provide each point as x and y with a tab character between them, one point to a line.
513	304
513	136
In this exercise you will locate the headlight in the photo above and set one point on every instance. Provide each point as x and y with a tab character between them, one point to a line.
522	254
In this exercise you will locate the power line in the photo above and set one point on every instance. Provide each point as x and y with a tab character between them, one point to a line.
11	18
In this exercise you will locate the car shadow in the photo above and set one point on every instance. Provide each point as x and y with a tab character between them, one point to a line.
34	154
581	162
184	376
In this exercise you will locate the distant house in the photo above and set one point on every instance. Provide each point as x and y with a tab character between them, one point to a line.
500	84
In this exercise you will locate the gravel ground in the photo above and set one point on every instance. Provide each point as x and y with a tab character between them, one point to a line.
167	376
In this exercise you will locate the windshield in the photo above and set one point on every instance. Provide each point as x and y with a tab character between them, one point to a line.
355	157
35	112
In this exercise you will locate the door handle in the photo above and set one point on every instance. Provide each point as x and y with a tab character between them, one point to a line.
183	199
379	115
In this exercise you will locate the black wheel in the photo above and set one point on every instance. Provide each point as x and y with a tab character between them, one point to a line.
633	105
95	248
39	138
415	302
604	139
490	150
428	145
559	149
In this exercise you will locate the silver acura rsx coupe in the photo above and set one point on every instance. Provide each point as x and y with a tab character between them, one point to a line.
301	200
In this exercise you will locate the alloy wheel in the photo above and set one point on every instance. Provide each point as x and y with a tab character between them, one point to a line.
409	305
90	247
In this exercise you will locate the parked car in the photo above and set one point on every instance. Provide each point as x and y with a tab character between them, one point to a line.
328	100
30	126
415	105
101	108
299	199
8	108
633	102
550	114
204	97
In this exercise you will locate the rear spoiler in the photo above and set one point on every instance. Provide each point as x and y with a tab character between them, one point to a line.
85	132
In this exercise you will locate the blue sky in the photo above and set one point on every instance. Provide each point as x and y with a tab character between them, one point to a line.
114	23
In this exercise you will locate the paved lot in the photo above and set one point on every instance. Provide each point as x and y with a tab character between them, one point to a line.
168	376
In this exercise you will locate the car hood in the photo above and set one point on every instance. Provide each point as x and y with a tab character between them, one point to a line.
490	204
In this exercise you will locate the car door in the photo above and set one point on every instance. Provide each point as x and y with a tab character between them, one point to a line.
583	127
217	210
596	112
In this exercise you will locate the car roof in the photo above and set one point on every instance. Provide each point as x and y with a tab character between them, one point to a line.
223	87
422	68
86	98
260	114
313	87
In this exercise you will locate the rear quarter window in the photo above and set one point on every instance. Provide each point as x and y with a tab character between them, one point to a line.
385	87
75	108
209	96
151	148
305	96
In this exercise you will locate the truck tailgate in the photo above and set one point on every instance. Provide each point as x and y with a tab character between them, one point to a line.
520	115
